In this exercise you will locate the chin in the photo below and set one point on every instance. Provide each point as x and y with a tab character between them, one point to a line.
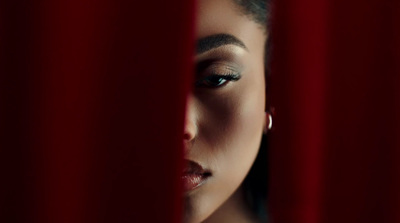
193	212
191	217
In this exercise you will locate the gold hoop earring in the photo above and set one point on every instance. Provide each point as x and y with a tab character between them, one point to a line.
269	121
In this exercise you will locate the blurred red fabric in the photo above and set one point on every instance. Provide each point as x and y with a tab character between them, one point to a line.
92	102
92	106
335	78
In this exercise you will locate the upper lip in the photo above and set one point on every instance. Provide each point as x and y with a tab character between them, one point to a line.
192	167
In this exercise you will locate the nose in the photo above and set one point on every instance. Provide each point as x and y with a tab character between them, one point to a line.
190	130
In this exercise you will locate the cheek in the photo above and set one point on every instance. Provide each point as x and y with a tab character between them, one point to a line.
235	118
233	127
230	130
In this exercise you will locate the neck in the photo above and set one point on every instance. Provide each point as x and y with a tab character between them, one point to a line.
233	210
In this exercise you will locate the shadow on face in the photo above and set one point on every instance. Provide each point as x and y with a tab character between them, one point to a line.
226	109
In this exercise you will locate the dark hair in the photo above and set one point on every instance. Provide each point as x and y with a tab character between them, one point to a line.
256	182
258	10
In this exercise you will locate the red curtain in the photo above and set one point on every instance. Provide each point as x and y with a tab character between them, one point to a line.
92	101
335	152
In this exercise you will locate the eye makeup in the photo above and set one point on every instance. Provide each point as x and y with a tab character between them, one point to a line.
215	81
218	67
215	74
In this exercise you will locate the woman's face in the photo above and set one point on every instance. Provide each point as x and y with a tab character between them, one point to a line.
226	109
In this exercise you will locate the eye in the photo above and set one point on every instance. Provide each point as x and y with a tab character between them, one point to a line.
217	80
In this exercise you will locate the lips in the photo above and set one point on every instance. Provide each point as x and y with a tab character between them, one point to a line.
194	175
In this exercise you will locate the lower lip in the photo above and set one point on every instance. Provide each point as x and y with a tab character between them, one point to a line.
192	181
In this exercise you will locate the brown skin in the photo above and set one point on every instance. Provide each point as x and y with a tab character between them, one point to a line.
224	124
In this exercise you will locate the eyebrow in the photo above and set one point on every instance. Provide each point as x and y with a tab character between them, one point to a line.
214	41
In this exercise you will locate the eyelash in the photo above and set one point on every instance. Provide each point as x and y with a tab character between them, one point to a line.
217	80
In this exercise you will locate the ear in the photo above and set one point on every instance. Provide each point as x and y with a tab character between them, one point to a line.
267	122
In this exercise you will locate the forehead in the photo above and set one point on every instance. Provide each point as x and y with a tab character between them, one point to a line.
224	16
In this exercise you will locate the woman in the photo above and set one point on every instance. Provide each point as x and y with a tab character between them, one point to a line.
226	115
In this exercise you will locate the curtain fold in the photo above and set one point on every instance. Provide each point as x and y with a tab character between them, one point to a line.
92	103
335	87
